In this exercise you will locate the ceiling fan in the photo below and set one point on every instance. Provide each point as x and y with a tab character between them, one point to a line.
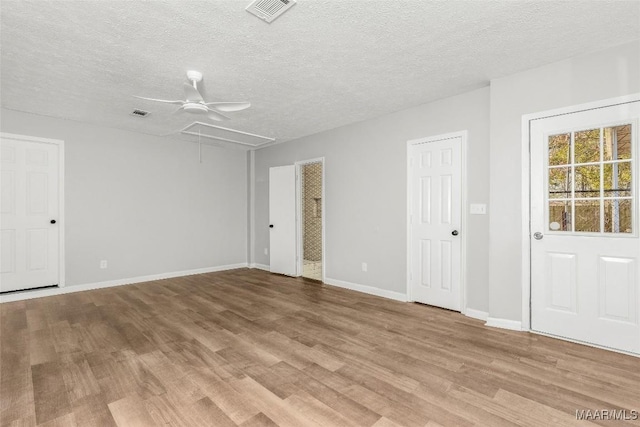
194	103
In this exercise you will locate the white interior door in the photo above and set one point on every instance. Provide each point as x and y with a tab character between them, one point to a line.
435	202
584	225
29	243
282	220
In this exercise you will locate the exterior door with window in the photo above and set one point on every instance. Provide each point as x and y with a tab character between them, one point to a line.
584	226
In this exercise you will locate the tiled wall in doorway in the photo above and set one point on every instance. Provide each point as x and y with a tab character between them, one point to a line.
312	219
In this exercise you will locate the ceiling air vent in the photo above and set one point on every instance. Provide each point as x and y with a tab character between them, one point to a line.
139	113
268	10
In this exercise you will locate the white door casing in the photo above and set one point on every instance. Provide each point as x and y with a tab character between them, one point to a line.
31	247
435	220
282	220
584	205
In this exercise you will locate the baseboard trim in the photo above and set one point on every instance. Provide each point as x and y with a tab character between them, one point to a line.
476	314
260	266
496	322
111	283
366	289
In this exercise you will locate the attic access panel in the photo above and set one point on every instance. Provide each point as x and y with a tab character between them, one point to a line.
228	135
269	10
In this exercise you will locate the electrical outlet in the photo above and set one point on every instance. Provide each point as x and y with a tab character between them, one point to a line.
364	266
266	251
103	263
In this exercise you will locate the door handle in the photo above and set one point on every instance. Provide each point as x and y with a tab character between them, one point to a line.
270	225
53	221
538	235
454	233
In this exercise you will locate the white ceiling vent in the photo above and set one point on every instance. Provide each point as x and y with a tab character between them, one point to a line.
139	113
268	10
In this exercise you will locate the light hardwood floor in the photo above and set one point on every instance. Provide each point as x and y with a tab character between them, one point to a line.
248	348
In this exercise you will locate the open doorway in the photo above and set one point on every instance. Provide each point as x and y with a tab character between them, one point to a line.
311	219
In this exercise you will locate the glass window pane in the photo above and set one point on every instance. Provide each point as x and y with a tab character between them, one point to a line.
559	149
587	215
617	179
587	146
617	143
617	216
560	216
559	183
587	181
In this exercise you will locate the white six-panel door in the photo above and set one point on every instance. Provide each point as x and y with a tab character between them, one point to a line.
29	241
435	175
282	220
584	226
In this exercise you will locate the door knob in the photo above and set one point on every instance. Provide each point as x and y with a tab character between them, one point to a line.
270	225
454	233
53	221
538	235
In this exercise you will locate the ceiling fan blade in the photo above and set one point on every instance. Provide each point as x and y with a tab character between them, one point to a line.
214	115
160	100
229	106
192	94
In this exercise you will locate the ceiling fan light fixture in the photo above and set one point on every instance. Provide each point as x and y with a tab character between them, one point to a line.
195	107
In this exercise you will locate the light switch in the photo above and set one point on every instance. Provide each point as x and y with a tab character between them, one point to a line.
478	209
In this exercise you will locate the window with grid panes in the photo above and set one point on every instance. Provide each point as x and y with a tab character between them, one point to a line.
589	181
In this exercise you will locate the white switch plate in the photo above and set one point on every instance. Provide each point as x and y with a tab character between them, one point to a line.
103	263
478	209
364	266
266	251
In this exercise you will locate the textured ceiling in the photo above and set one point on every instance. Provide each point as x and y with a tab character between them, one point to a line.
323	64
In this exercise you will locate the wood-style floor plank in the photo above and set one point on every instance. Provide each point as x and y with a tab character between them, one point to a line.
131	411
248	348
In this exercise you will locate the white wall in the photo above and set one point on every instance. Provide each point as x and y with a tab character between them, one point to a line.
143	203
605	74
366	177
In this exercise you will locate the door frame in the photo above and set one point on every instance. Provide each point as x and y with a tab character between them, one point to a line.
300	231
463	135
61	217
526	190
